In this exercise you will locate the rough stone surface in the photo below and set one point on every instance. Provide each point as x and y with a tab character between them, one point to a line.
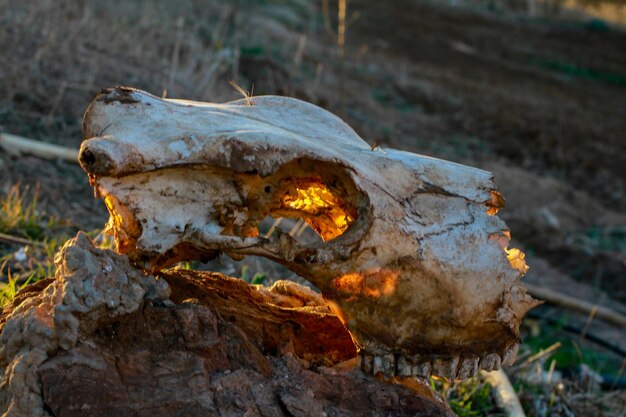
104	339
90	285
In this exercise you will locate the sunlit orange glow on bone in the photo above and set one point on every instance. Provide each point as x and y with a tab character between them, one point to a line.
495	203
373	284
516	257
316	200
121	224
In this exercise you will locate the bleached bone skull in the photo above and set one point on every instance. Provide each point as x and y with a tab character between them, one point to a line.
413	259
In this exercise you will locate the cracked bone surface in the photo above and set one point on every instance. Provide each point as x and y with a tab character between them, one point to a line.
413	259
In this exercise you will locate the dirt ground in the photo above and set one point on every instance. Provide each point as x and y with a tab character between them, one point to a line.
540	102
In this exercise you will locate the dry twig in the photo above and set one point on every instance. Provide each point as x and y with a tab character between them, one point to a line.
503	391
19	240
17	145
542	353
573	303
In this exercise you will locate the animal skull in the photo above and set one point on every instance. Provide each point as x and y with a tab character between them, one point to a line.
413	259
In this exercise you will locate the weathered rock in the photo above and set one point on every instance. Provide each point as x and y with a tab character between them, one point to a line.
104	339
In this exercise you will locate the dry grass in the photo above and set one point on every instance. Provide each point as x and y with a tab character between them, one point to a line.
29	240
19	214
58	54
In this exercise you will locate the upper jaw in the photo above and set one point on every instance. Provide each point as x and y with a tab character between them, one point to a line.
453	368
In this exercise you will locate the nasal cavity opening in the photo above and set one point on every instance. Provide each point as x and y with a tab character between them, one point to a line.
312	201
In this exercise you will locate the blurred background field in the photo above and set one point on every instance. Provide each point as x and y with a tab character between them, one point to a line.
534	91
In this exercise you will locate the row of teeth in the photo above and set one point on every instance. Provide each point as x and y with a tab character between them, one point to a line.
453	368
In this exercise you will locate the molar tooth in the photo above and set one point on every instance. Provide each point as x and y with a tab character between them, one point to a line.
437	367
453	366
422	369
510	355
403	366
446	367
488	362
468	367
378	364
389	364
367	363
497	362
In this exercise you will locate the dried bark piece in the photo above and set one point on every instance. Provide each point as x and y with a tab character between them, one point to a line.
312	333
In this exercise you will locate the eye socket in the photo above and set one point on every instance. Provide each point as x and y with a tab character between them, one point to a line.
310	199
267	189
